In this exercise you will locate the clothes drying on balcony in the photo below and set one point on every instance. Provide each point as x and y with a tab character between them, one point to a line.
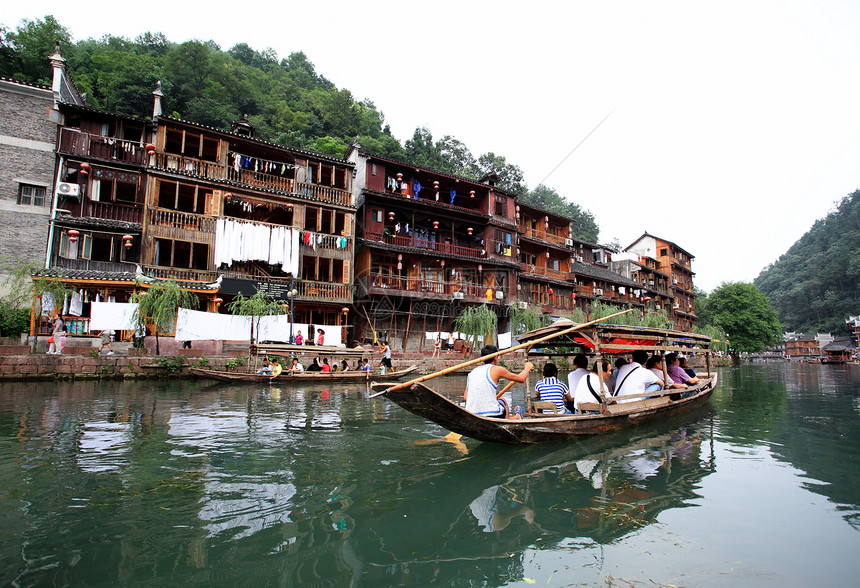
248	241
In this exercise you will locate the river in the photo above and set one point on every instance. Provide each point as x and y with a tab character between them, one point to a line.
188	483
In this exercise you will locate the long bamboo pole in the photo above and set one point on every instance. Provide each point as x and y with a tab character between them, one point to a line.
497	353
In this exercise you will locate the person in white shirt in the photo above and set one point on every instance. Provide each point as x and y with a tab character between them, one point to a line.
588	389
580	362
635	380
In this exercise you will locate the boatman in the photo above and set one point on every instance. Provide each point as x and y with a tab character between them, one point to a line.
482	385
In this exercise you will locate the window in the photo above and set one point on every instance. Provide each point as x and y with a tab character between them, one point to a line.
373	169
664	253
109	186
184	197
500	205
31	195
377	216
181	254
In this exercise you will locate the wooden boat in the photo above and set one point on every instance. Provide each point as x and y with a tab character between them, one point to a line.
610	415
305	377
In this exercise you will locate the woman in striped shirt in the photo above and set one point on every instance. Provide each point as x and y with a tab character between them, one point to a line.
551	389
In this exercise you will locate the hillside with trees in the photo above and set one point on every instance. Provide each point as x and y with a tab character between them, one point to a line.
815	285
286	100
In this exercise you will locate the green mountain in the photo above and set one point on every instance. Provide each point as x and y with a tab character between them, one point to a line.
286	100
815	285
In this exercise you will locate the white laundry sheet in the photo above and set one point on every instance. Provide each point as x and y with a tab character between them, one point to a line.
194	325
113	316
505	340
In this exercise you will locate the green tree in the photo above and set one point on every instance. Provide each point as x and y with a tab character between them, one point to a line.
34	41
584	225
527	319
256	307
159	306
477	321
745	314
511	177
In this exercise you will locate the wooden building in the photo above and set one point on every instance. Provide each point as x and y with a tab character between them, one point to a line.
674	262
430	244
799	346
653	284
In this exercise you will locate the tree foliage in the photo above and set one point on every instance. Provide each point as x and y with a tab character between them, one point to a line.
477	321
815	285
745	315
527	319
256	307
158	306
584	225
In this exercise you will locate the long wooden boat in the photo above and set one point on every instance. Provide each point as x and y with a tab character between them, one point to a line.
559	340
304	377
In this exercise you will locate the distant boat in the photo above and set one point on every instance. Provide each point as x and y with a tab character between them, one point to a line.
304	377
559	339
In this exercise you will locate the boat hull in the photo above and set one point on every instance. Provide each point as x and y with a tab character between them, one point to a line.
424	402
304	377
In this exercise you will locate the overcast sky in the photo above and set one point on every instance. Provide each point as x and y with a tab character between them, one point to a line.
733	125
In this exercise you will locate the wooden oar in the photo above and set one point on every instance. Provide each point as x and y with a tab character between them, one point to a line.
370	323
497	353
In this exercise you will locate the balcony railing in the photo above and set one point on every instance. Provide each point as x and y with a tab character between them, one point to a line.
181	274
130	213
75	142
428	286
409	241
544	236
325	291
89	264
253	179
185	226
326	241
544	271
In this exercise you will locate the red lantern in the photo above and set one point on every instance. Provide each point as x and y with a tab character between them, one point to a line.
435	224
551	293
399	177
472	194
218	301
391	216
469	230
126	240
150	148
85	168
73	236
435	184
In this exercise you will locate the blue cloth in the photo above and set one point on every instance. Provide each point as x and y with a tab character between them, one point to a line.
416	187
553	390
453	193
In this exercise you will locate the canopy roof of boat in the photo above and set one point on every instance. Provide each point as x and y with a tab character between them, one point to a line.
613	339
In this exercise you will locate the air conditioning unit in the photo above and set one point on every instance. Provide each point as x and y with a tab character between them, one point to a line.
68	189
458	295
568	242
598	291
499	295
579	258
522	304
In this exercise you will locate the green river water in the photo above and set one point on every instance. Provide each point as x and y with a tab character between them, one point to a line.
189	483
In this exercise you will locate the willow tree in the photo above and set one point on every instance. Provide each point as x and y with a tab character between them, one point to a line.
159	306
256	307
527	319
477	321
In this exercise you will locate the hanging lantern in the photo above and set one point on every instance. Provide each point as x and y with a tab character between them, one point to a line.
435	184
399	257
551	292
480	267
85	168
126	240
471	194
218	301
443	263
435	224
469	230
399	177
391	216
150	148
73	236
399	265
344	310
547	254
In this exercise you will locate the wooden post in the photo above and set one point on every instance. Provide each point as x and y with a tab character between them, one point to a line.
408	324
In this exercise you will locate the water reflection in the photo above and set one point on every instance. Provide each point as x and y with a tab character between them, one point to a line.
223	484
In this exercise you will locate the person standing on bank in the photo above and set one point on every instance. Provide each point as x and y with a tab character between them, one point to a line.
105	341
482	386
385	350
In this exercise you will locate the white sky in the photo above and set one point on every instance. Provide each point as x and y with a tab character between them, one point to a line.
734	124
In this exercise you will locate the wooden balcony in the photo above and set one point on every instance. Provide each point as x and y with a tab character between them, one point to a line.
341	246
423	286
91	265
130	213
184	226
181	274
537	270
76	142
313	291
253	179
435	246
544	236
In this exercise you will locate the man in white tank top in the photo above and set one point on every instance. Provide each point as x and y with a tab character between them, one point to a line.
482	386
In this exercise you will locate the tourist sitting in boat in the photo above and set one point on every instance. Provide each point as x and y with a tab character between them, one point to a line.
580	362
299	338
267	369
326	368
634	380
343	366
273	369
612	380
588	390
482	384
682	362
365	365
676	372
655	365
296	367
315	366
551	389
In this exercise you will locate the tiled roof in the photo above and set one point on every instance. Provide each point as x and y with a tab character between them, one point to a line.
23	83
103	276
600	273
103	223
